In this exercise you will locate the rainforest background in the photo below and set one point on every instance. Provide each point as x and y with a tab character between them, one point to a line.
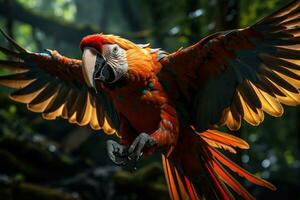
49	160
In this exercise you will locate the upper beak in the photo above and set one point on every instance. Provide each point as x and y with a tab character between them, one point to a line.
95	68
89	57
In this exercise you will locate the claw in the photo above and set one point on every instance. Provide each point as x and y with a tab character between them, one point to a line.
122	155
135	150
117	153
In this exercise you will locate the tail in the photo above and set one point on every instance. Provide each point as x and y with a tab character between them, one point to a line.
196	170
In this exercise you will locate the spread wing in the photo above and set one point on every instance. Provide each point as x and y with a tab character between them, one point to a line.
53	85
239	74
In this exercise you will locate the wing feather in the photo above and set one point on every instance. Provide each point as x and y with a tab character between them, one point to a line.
47	93
16	81
58	101
240	74
53	85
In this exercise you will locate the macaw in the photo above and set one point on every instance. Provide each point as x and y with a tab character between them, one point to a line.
172	103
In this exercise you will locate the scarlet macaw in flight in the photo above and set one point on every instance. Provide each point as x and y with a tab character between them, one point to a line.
170	102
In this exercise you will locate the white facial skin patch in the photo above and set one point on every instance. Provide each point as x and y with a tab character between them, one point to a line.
115	56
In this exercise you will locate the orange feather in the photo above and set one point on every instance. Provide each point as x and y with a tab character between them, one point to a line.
229	180
223	140
243	173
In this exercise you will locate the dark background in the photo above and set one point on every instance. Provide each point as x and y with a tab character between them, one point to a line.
55	160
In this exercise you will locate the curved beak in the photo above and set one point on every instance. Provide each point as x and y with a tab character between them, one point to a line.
95	68
89	57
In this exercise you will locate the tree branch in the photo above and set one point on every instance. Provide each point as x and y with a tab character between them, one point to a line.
69	32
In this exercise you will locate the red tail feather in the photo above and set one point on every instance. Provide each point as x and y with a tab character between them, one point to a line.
195	169
232	182
243	173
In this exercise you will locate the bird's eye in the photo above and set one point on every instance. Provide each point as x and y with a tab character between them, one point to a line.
115	49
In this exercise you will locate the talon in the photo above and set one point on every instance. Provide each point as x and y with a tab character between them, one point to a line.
135	150
139	156
117	153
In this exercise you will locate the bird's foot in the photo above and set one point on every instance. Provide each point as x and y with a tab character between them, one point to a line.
122	155
142	141
117	153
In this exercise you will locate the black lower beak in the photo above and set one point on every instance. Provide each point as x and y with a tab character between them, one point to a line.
103	71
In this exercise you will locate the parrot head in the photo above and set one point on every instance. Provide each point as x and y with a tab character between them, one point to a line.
108	58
